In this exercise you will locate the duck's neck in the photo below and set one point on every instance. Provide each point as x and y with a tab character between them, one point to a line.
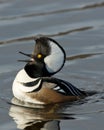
35	71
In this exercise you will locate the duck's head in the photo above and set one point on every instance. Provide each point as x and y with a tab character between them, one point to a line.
47	58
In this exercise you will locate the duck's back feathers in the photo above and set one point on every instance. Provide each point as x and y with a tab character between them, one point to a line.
64	87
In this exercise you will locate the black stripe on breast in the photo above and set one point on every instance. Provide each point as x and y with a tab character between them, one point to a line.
31	84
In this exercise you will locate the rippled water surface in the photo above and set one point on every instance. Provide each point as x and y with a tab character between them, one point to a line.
79	28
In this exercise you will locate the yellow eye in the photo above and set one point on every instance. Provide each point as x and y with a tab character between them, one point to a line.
39	56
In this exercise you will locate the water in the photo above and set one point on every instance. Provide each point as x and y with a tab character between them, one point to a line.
79	27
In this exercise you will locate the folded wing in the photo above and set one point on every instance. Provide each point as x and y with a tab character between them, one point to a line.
64	87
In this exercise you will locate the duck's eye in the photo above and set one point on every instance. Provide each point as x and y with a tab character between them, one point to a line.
39	56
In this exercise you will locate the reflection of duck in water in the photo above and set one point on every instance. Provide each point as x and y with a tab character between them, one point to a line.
34	82
35	118
26	121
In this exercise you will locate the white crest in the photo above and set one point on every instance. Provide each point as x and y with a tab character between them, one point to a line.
55	61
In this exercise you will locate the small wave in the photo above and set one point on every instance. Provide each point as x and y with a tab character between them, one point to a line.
47	35
84	7
83	56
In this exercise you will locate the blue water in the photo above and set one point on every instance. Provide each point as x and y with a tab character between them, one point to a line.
79	27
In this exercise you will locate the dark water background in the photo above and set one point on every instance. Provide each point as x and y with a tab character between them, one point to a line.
79	27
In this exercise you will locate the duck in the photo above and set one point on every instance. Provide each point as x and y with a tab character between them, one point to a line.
35	82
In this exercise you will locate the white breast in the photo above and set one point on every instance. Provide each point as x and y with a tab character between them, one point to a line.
22	77
19	90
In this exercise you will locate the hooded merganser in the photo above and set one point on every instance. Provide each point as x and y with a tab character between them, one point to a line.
35	84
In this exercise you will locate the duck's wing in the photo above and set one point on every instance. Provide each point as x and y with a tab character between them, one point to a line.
58	85
64	87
